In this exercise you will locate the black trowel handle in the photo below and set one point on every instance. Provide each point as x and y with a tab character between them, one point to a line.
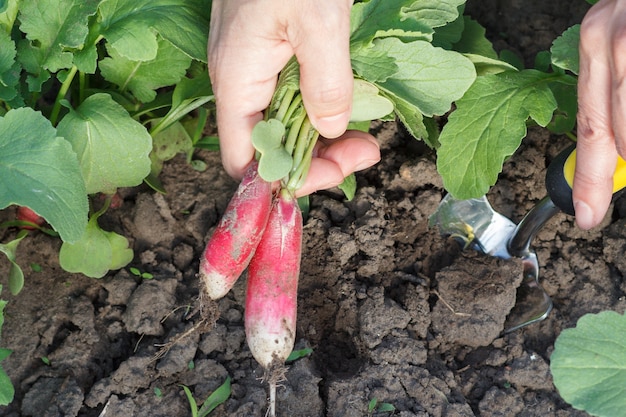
560	178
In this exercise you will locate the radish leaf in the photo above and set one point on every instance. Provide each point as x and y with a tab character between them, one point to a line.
488	126
142	78
16	275
275	162
96	253
429	78
121	253
129	26
54	34
166	144
589	364
40	170
367	104
9	69
564	49
409	20
91	255
112	147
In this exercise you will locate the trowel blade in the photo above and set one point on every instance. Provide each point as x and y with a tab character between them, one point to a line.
474	220
478	225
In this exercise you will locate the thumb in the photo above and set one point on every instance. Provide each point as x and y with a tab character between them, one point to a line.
322	47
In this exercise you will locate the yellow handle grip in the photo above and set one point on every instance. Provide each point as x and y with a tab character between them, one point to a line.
619	178
560	179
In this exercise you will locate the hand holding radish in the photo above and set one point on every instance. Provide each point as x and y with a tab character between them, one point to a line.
284	83
250	43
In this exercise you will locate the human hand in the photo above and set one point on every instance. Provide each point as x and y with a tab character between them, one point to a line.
250	41
601	109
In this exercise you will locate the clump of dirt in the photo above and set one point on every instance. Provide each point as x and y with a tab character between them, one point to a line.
392	310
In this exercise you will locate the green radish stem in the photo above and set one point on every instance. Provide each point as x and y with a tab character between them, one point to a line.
54	115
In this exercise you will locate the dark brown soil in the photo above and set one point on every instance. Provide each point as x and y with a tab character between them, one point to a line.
392	310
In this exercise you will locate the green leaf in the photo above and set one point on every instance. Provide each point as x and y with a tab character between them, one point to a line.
142	78
32	59
192	401
385	407
93	255
412	119
9	68
407	19
130	25
275	162
298	354
564	50
121	253
486	66
373	65
367	103
589	364
218	396
487	127
348	186
188	95
429	78
4	352
8	14
167	144
55	34
16	276
170	142
564	119
451	33
41	171
3	304
190	89
371	406
112	147
7	391
474	41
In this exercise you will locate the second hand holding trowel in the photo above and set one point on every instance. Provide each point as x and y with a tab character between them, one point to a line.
479	226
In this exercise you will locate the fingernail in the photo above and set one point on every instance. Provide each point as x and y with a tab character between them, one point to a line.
366	164
584	215
332	126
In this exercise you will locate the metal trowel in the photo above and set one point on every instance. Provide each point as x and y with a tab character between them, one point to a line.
477	225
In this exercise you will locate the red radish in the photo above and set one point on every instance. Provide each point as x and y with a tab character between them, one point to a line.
116	201
271	298
237	235
25	214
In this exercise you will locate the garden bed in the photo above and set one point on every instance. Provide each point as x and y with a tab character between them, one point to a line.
392	310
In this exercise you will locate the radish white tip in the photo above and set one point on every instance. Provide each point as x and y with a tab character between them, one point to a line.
216	285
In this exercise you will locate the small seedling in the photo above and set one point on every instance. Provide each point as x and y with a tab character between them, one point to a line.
218	396
375	407
298	354
137	272
46	360
157	392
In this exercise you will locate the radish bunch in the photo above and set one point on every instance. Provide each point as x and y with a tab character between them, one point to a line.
260	230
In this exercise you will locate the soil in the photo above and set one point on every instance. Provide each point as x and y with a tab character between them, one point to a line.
392	310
